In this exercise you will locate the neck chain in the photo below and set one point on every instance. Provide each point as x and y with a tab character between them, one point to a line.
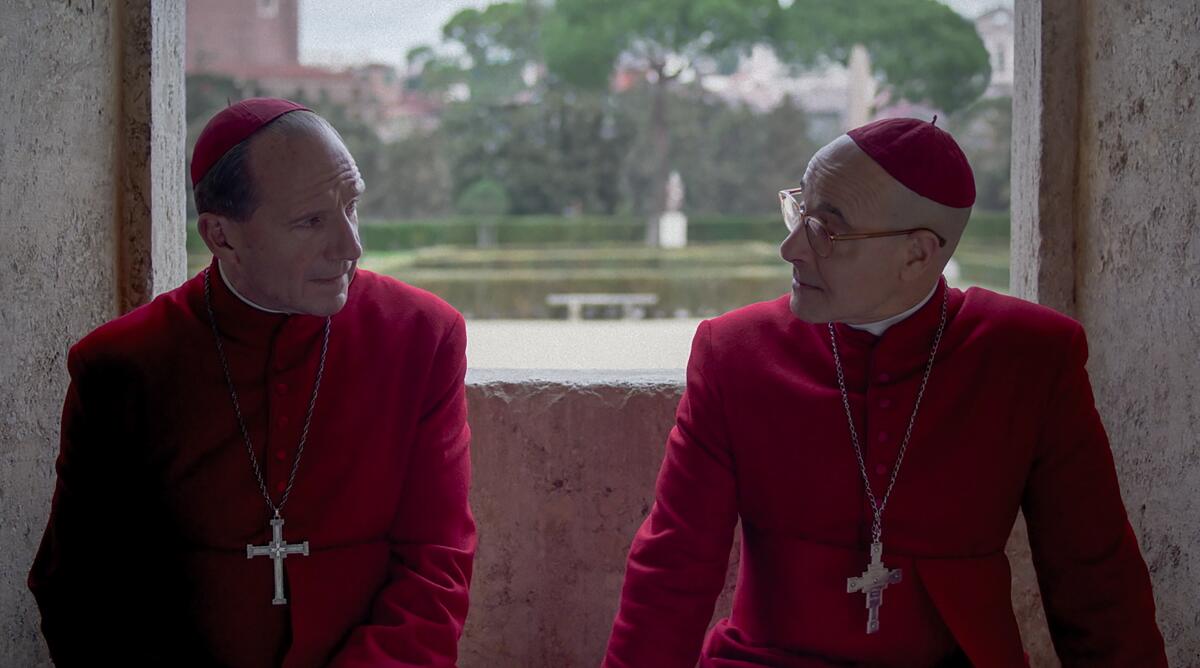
276	509
877	577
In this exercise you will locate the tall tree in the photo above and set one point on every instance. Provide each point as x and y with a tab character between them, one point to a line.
585	41
563	153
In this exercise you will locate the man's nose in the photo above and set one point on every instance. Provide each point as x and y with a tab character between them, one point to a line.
795	247
346	245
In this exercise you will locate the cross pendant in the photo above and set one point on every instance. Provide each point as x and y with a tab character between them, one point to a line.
872	582
277	550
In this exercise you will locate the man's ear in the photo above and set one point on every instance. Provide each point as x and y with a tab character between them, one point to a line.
220	237
920	253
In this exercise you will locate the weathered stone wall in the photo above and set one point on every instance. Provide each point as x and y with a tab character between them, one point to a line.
1137	280
1106	197
564	465
91	216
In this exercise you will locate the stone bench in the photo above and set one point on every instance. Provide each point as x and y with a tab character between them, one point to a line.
575	301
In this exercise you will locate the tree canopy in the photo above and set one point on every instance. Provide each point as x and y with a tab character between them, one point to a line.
921	49
585	40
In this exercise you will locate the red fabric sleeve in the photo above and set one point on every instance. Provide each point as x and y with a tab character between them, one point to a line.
1094	583
103	578
418	616
679	557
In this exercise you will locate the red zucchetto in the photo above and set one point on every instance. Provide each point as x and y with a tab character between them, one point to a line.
233	125
921	156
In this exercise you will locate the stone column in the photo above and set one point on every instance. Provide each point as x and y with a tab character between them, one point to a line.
1106	228
1137	272
152	134
1045	151
92	215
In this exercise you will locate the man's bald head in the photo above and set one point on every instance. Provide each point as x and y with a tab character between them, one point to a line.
843	166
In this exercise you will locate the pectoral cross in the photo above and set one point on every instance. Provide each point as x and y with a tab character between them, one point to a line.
872	583
277	550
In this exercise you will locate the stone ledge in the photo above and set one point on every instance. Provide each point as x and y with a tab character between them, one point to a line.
640	378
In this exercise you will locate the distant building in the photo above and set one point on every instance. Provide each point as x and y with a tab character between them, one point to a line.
996	29
256	43
233	37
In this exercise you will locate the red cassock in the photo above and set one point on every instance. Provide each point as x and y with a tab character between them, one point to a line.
144	559
1008	423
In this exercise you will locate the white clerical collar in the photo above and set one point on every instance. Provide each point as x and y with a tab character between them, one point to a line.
221	271
878	328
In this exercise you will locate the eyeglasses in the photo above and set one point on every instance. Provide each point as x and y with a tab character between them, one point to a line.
819	236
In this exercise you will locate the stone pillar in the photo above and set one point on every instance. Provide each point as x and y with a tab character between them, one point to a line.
1106	227
152	134
1137	272
92	215
1045	151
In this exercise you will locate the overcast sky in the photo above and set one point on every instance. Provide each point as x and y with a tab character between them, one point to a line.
336	32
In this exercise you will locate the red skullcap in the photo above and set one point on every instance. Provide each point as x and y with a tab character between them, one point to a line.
923	157
233	125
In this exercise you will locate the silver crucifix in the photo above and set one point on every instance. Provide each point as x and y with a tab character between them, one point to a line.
277	550
872	583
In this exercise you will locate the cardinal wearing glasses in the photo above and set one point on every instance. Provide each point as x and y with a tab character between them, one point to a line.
876	432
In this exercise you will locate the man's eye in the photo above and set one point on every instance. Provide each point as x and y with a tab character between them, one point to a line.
311	222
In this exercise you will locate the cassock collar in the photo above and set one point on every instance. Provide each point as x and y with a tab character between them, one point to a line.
221	271
904	347
238	320
879	327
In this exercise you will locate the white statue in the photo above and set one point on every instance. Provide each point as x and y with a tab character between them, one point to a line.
674	191
672	226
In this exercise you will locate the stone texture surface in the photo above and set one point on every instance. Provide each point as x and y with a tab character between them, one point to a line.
1131	257
152	134
1045	100
57	274
564	465
1137	277
71	157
